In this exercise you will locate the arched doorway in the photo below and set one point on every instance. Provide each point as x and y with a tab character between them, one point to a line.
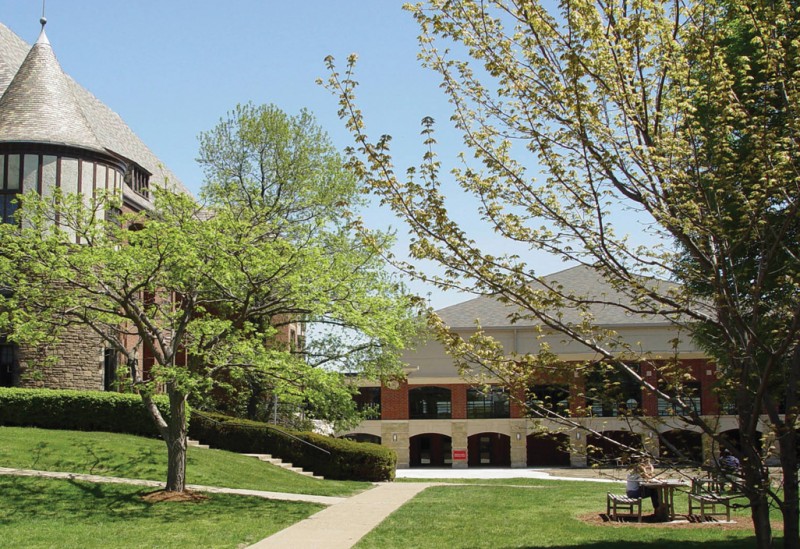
489	450
680	446
363	437
548	450
604	452
430	450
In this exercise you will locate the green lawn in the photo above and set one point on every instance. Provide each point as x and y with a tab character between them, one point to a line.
127	456
59	513
522	513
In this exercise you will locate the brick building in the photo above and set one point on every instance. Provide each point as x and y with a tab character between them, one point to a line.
436	418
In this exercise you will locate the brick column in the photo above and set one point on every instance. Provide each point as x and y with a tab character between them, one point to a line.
394	402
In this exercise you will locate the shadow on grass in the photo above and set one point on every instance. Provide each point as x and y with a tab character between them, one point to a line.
26	499
666	542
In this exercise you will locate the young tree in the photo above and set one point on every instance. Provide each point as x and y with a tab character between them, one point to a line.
682	115
204	289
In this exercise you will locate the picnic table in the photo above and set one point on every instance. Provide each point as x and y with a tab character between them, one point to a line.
666	495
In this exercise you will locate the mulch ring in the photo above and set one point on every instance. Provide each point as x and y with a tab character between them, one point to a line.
681	521
185	496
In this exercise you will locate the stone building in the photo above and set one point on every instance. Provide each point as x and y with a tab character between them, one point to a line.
56	134
437	419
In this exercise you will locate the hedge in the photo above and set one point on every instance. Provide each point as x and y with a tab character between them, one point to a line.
79	410
341	459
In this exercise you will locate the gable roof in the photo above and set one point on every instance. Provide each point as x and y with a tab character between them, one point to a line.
580	281
71	115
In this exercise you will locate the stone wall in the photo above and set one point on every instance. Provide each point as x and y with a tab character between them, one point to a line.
78	364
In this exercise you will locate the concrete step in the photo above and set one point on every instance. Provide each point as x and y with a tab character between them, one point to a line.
285	465
196	444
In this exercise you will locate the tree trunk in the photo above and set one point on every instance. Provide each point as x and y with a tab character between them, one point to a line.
791	514
176	442
763	529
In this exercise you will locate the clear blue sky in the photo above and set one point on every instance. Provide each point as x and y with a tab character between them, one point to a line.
172	69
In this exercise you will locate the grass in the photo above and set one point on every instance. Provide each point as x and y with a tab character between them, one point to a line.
128	456
523	513
58	513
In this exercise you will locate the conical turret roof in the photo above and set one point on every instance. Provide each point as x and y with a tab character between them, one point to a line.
39	105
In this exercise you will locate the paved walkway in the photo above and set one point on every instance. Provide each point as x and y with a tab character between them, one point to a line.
346	519
340	526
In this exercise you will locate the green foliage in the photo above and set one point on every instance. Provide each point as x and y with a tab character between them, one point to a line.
652	142
78	410
339	458
206	288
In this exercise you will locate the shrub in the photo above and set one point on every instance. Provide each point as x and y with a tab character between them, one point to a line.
332	458
78	410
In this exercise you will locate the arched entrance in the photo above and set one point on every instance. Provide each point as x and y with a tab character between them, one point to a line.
489	450
680	446
604	452
430	450
548	450
363	437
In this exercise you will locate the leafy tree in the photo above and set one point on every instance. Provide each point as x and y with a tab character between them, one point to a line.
204	289
681	115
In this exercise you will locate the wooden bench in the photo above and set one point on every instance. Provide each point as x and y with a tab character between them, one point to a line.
616	503
707	497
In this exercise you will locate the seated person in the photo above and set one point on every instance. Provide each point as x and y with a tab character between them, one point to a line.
729	466
642	470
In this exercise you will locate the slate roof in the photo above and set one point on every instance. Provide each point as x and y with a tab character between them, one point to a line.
580	280
39	103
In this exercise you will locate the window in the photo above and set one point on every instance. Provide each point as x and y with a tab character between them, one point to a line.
138	180
542	400
485	405
610	393
429	403
8	363
9	186
368	399
691	397
109	370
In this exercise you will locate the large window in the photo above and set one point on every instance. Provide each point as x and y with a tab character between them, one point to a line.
546	400
368	399
610	393
491	403
691	396
429	403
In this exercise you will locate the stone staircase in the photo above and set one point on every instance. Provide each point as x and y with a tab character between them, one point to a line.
284	464
266	458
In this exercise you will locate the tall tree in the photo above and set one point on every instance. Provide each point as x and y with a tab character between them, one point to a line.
205	288
682	115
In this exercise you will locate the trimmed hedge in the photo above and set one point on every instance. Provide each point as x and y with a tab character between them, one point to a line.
79	410
347	460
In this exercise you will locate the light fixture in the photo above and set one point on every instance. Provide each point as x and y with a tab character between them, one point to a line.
519	436
394	437
578	436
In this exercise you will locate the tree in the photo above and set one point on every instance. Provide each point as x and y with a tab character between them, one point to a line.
203	289
682	115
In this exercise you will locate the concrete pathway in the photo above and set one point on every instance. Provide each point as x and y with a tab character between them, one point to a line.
340	526
346	519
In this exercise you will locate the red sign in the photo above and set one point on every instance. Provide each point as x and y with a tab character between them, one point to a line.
459	454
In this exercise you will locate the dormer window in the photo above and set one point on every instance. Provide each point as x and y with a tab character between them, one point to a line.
138	179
